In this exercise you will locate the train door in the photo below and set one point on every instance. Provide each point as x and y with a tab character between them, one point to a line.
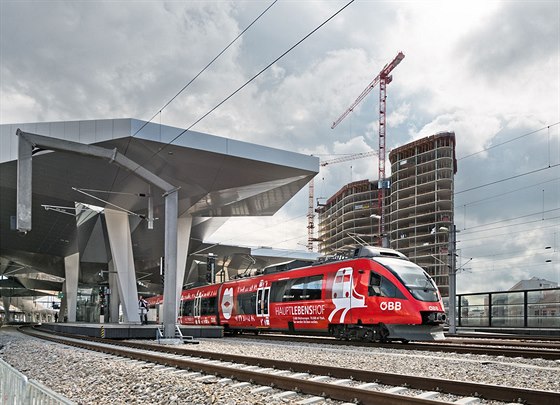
263	302
196	310
344	296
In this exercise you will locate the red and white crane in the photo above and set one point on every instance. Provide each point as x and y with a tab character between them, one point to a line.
383	78
311	206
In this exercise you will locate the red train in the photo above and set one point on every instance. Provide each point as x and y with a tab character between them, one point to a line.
376	294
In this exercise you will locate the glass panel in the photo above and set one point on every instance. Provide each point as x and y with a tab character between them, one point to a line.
208	306
507	310
314	287
508	321
278	290
188	308
543	322
507	298
474	310
469	300
542	296
474	321
543	309
266	295
246	304
545	315
297	291
414	278
87	305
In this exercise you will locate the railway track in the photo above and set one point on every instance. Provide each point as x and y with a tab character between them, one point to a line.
551	351
341	384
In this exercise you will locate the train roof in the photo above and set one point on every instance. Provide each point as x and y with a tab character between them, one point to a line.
360	252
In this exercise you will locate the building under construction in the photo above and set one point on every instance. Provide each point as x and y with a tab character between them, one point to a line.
419	207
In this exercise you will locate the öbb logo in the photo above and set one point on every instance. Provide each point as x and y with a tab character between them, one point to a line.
390	306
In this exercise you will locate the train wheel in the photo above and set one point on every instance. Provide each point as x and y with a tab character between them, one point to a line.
369	336
383	334
339	332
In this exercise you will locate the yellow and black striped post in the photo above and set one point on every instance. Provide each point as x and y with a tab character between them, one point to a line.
102	332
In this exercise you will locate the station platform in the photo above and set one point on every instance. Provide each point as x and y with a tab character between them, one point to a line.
130	331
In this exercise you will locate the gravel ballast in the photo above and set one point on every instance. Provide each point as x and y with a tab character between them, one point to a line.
91	378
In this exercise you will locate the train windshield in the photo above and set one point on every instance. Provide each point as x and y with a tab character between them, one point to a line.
418	282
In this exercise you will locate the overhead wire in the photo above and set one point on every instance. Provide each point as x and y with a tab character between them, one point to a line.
508	141
476	229
160	149
510	233
508	178
511	219
507	192
191	81
522	266
206	67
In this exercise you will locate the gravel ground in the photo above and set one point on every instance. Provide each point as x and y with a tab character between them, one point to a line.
536	374
93	378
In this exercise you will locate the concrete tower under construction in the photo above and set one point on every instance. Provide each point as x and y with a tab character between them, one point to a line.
418	208
421	209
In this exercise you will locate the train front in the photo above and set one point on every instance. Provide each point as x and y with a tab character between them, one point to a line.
424	306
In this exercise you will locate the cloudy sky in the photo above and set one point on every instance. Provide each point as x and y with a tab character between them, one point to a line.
487	70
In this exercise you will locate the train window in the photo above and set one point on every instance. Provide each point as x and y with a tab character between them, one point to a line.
390	290
277	290
246	304
380	286
314	287
297	292
188	308
299	289
208	306
418	282
374	284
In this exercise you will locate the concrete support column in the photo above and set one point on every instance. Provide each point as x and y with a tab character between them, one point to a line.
184	226
114	297
63	304
71	270
170	297
6	301
120	241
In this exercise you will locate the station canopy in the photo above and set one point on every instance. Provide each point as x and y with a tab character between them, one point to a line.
217	177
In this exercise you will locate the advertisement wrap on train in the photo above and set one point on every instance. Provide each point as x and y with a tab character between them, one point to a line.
373	294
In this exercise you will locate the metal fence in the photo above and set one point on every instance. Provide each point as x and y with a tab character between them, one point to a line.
510	309
17	389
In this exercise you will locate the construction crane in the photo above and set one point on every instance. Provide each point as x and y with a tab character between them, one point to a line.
311	205
383	78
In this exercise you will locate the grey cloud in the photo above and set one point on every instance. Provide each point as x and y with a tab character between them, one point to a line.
83	60
519	34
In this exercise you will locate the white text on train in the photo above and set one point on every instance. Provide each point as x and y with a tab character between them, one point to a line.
300	310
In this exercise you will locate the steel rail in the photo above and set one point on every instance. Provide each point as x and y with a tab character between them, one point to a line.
501	342
432	347
336	392
462	388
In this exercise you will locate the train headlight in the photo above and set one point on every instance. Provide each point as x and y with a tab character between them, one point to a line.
433	317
